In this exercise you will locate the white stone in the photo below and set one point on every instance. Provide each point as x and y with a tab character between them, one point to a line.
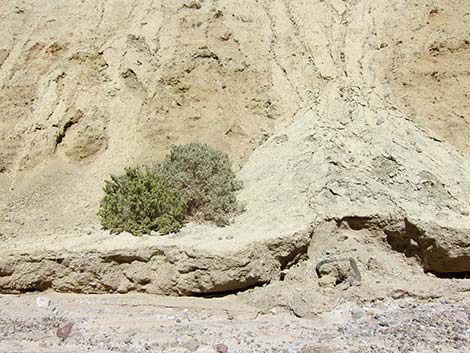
42	301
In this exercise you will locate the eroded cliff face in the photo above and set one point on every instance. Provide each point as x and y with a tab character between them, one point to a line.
356	109
89	87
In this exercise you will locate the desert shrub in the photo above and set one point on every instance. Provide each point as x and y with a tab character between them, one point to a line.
193	182
205	180
140	201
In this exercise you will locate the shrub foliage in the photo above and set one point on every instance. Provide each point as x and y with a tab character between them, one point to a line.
194	182
139	201
204	177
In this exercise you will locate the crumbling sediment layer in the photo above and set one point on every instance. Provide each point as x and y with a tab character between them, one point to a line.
182	269
429	243
166	270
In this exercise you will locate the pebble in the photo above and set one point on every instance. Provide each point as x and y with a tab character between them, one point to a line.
274	311
221	348
298	311
357	313
43	301
384	323
205	349
192	344
64	331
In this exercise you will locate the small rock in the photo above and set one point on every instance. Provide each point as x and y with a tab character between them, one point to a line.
193	4
64	331
298	311
274	311
357	313
384	323
225	36
43	301
221	348
205	349
192	344
218	14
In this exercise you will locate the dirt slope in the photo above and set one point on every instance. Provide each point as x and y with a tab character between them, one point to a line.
90	87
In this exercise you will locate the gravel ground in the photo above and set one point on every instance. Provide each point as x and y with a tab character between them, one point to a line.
137	323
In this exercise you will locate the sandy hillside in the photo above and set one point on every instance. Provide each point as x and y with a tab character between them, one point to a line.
88	87
348	122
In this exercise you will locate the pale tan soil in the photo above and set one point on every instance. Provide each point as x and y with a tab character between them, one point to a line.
429	70
88	88
348	123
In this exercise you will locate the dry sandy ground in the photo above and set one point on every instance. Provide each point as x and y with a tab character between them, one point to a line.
143	323
306	96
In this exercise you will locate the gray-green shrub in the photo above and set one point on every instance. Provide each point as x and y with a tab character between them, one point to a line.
139	201
194	182
204	177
